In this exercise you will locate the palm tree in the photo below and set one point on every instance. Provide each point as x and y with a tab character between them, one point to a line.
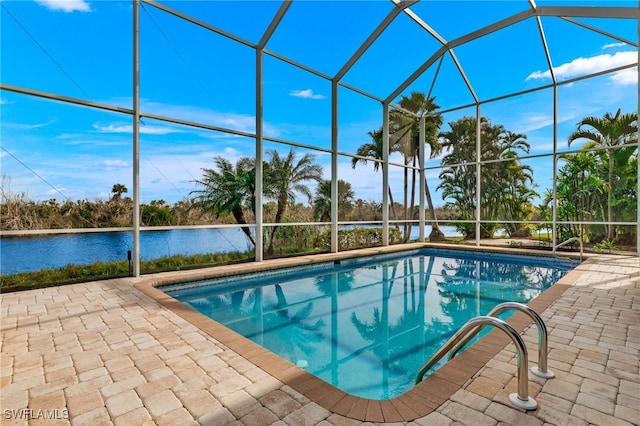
405	129
514	179
373	149
458	178
507	184
609	132
284	176
322	200
117	191
579	193
229	189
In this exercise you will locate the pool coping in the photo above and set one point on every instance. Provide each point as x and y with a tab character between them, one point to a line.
419	401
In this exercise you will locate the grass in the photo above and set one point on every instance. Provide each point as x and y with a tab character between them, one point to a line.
72	274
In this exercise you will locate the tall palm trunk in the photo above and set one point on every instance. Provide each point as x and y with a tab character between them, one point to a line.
393	209
436	234
239	217
610	228
282	205
407	226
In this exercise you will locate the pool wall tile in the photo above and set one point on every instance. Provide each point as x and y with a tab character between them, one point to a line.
374	412
358	410
403	409
390	413
343	407
330	397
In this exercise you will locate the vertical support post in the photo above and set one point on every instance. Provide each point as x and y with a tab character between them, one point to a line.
259	238
478	171
136	138
259	254
385	174
423	177
638	143
554	203
334	167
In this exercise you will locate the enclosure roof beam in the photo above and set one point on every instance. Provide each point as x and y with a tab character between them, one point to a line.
195	124
457	42
274	23
373	36
423	24
463	75
297	64
61	98
559	11
602	32
198	22
545	46
588	12
442	41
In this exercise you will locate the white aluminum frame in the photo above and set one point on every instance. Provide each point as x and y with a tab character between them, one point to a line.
447	47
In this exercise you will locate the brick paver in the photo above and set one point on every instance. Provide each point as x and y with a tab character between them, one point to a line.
105	353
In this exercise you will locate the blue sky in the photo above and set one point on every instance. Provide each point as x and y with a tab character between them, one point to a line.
82	49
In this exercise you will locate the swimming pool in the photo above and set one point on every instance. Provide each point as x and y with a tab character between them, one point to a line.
367	324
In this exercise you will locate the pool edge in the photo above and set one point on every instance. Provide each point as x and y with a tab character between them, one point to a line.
417	402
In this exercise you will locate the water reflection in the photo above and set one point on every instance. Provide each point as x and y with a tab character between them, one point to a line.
368	329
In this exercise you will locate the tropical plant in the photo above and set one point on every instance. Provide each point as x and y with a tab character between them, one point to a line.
322	200
351	239
229	189
284	177
608	245
117	191
405	133
507	185
579	194
155	215
373	150
615	134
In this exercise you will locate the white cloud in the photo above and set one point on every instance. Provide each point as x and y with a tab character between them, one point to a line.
114	164
613	45
625	77
230	120
305	94
533	121
128	128
21	126
66	5
583	66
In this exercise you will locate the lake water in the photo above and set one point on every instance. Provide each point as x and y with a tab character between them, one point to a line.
32	253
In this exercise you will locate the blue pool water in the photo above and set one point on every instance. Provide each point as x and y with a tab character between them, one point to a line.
366	325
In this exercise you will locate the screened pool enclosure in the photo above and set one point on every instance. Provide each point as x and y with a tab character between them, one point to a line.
270	128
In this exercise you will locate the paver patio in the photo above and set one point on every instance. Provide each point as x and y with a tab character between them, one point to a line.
105	353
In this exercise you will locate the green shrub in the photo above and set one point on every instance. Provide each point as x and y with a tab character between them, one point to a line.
351	239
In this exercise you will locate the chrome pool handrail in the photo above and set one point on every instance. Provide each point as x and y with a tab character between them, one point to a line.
564	243
520	399
541	370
